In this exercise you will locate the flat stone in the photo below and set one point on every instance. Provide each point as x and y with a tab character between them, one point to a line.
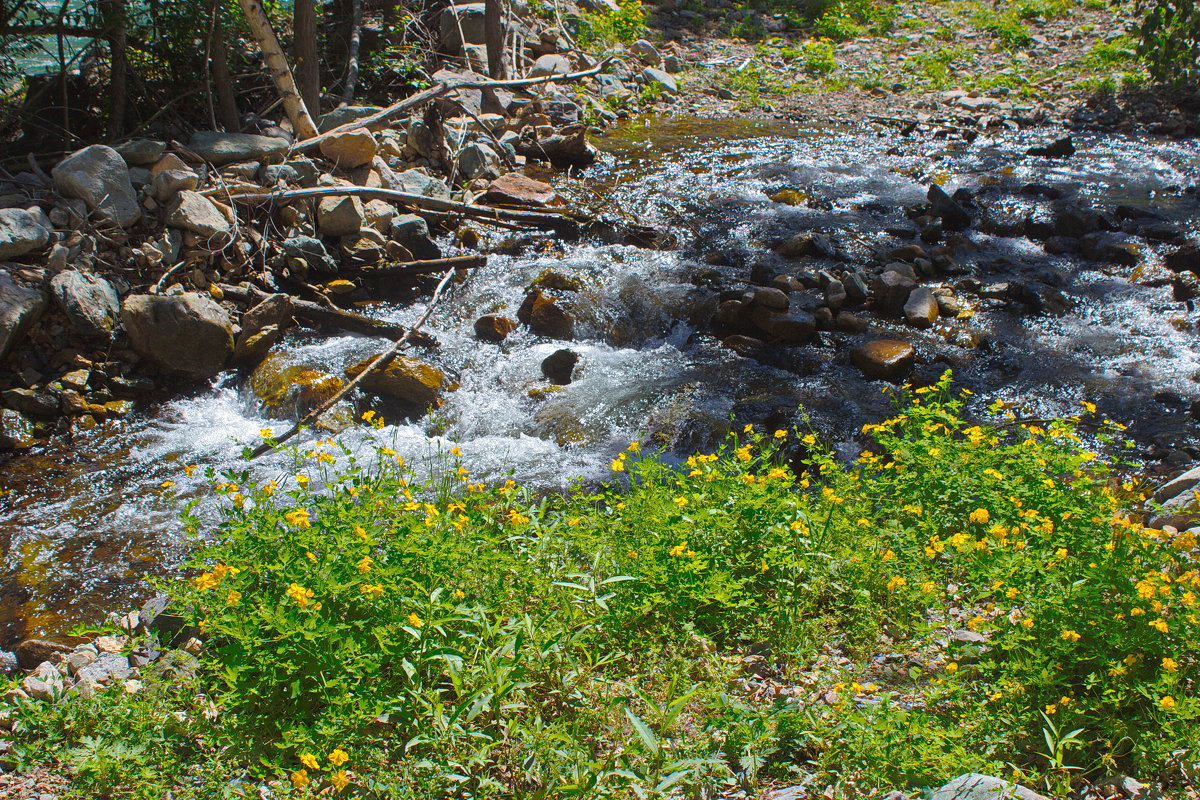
20	308
884	359
90	302
351	149
22	232
99	176
141	152
513	188
188	333
219	148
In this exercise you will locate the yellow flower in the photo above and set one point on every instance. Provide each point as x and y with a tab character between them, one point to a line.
748	429
300	778
339	780
414	620
302	479
896	583
634	447
952	667
681	501
455	451
679	549
267	433
189	470
364	564
928	586
300	594
338	757
780	434
889	556
326	458
205	582
297	518
1159	625
309	760
374	590
459	594
1051	709
167	485
233	598
979	515
618	465
1088	407
268	488
1167	703
1170	665
743	453
1070	636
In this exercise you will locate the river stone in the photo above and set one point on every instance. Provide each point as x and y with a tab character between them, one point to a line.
462	23
99	176
477	160
344	116
1178	501
1074	220
288	389
516	189
646	53
350	149
1185	259
340	216
884	359
558	366
105	668
550	64
770	297
187	333
1116	248
37	402
835	295
1059	148
406	379
252	347
141	152
891	291
494	327
219	148
921	308
954	217
89	301
311	253
974	786
194	212
21	231
784	327
653	75
32	652
16	432
20	308
544	317
170	182
412	232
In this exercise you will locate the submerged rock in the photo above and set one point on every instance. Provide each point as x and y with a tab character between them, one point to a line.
544	317
289	390
494	327
884	359
188	333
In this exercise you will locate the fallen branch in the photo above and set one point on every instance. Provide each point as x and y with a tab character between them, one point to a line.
423	267
379	361
537	219
334	317
379	118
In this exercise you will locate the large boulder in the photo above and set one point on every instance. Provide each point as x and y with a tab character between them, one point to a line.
194	212
99	177
291	390
884	359
220	149
20	307
350	149
1179	501
408	380
340	216
21	232
516	189
90	302
462	23
188	333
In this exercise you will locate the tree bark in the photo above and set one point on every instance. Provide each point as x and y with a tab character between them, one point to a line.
222	79
293	104
304	51
352	53
493	30
118	66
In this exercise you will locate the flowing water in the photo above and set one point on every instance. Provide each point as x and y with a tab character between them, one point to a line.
82	522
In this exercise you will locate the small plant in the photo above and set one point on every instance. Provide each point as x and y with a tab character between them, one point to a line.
604	30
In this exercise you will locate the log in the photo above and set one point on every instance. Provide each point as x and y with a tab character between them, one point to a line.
333	317
423	267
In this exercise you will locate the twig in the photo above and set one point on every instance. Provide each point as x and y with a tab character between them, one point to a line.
423	267
158	287
381	360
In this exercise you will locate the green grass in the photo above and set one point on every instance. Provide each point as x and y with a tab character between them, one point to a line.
387	634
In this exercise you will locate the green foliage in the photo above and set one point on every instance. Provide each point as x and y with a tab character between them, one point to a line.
1170	39
604	30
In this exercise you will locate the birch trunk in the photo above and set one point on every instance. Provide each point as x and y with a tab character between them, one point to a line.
293	104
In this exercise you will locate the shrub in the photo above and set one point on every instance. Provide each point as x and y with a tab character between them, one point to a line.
1170	39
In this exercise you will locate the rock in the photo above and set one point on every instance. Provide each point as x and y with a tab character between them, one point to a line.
309	254
544	317
513	188
414	181
745	346
884	359
194	212
891	291
16	432
188	333
1116	248
288	389
494	327
413	382
559	365
37	402
812	245
835	295
90	302
107	667
921	308
1059	148
39	689
1185	259
1178	503
646	53
99	176
856	288
253	347
461	24
672	64
32	652
141	152
770	297
566	148
344	116
849	323
20	308
954	217
220	149
21	232
1074	221
974	786
412	233
340	216
477	160
783	327
550	64
8	662
350	149
170	182
652	75
262	327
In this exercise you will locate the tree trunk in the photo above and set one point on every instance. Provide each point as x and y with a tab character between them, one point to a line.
352	53
293	104
493	29
304	50
222	80
118	66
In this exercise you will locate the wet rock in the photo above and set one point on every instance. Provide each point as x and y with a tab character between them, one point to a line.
1185	286
746	346
32	652
20	308
514	188
558	366
550	64
1061	245
36	402
1185	259
22	232
974	786
908	252
891	291
849	323
783	327
835	295
1076	221
494	327
921	308
8	663
351	149
194	212
544	317
16	432
884	359
290	390
1059	148
652	76
856	288
309	254
340	216
262	327
477	160
141	152
253	347
954	217
770	297
188	333
99	176
1116	248
220	149
997	221
90	302
406	379
646	53
812	245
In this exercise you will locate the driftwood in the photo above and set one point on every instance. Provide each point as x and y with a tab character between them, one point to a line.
534	219
426	267
380	118
380	361
334	317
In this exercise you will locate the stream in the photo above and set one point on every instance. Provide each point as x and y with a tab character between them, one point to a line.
82	522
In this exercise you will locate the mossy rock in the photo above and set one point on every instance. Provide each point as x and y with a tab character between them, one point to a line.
412	382
286	390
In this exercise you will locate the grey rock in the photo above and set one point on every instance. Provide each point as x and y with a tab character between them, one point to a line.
219	148
974	786
340	216
835	295
106	668
36	402
462	24
90	302
99	176
307	170
20	308
551	64
954	217
477	160
672	64
16	432
921	308
344	115
39	689
417	182
141	152
652	75
21	232
312	253
856	288
786	327
646	53
891	291
8	662
611	86
170	182
276	174
1116	248
1179	505
194	212
412	232
188	333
